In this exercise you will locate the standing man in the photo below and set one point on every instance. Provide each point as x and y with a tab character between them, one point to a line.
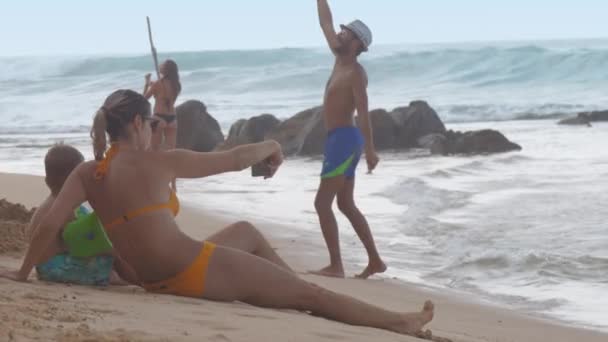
345	91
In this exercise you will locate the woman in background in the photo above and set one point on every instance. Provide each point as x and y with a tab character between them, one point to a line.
165	92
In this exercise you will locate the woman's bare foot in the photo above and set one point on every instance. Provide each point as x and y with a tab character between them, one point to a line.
330	271
116	280
412	323
428	335
372	268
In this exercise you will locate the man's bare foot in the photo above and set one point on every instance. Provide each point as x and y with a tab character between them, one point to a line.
412	323
371	269
330	271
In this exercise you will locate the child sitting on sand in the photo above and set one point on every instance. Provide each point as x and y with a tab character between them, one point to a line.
63	266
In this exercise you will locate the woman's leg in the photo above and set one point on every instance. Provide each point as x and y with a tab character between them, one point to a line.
157	136
245	237
171	135
170	143
234	275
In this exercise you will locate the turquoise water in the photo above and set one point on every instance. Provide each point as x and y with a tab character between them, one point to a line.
464	82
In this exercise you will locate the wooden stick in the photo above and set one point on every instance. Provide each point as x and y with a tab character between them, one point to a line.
154	56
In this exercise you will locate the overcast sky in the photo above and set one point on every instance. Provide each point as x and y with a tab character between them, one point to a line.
29	27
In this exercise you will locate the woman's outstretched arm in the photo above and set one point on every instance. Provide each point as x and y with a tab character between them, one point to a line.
190	164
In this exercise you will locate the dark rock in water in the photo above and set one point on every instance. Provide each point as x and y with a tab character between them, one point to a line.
250	131
585	118
479	142
598	115
435	142
536	116
473	142
580	119
416	125
305	134
302	134
384	129
415	121
420	126
235	130
197	130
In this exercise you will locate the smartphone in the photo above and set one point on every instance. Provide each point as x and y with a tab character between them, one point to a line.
261	169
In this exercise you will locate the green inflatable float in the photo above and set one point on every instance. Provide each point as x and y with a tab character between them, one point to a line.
85	236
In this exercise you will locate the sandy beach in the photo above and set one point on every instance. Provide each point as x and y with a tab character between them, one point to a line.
39	311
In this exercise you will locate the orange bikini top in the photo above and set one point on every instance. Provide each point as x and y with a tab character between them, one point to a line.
102	170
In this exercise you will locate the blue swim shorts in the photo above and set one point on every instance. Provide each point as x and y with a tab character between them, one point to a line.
343	150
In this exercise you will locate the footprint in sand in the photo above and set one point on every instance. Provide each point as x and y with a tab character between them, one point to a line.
6	299
331	336
201	313
105	311
196	302
252	315
35	296
218	326
219	337
70	318
358	332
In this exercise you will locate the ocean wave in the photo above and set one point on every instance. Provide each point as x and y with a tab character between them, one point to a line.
490	66
44	130
464	84
458	113
483	66
34	146
547	266
423	202
17	68
512	159
537	116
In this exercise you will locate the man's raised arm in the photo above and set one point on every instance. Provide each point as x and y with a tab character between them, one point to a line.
327	25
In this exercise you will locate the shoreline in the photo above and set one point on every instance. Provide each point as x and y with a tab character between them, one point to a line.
115	313
84	130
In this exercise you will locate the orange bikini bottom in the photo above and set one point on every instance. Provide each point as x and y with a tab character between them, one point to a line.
190	282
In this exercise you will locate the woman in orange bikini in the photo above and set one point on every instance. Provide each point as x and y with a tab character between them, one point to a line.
127	187
165	92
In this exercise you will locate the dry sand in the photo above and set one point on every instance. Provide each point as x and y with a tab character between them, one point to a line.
39	311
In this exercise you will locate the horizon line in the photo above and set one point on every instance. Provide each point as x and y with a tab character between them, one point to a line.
432	43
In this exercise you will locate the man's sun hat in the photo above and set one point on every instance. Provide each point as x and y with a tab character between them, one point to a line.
361	31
